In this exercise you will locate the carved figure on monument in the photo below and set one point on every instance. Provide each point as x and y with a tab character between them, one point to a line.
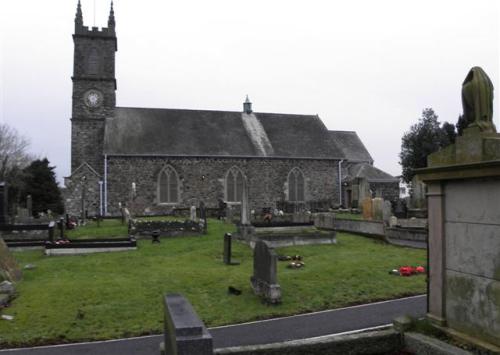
477	100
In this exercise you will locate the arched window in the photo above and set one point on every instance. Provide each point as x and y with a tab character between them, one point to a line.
93	62
234	185
168	186
296	186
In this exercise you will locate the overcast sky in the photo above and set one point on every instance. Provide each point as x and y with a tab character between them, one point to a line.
367	66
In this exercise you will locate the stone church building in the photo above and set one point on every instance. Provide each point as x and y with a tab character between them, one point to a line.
154	160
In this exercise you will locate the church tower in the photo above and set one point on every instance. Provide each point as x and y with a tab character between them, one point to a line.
94	87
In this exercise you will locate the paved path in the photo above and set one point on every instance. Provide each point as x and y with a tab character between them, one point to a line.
262	332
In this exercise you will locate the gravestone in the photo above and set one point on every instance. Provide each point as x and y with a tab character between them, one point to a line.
9	269
245	208
228	239
387	212
417	196
125	215
245	228
378	209
29	205
463	194
3	203
265	280
185	333
367	207
203	217
192	213
400	210
229	214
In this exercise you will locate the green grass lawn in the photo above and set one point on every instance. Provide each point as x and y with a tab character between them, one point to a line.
104	296
346	215
108	228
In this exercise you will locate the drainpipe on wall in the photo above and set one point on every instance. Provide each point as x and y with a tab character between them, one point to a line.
100	197
340	182
105	184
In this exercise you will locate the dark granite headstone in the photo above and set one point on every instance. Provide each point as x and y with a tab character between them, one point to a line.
203	217
400	209
3	203
185	333
264	280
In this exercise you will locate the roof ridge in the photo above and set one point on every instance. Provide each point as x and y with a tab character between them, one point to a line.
207	110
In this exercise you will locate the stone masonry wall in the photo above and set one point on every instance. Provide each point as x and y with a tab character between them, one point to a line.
203	179
87	137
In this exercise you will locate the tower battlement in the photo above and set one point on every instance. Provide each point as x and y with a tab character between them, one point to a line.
104	32
92	31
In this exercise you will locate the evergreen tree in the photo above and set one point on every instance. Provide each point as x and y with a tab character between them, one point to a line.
40	183
425	137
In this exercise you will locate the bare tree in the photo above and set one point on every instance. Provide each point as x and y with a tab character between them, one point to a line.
13	151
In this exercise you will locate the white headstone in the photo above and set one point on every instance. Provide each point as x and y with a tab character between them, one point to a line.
192	215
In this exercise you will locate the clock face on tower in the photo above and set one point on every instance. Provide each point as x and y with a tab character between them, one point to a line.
93	98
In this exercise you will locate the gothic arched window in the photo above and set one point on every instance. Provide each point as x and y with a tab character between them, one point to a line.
93	62
234	185
168	186
296	186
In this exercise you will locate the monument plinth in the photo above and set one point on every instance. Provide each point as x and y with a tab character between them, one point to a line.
464	223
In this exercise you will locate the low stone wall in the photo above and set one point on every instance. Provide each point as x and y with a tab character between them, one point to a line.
415	234
26	232
166	228
279	237
369	228
379	342
287	241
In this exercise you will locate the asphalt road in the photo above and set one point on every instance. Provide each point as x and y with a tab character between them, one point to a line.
262	332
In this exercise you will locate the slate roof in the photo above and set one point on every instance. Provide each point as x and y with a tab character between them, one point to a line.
370	173
178	132
351	146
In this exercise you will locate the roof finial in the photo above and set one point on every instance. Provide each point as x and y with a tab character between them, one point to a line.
79	16
111	19
247	106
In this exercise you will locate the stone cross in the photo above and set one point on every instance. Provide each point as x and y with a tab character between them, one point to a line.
265	280
3	203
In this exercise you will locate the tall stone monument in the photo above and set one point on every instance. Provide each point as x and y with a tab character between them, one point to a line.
245	228
464	222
